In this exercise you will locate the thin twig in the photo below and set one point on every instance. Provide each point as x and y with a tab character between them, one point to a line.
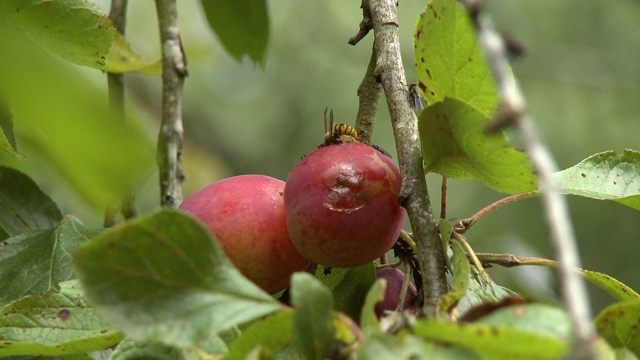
115	82
174	70
462	226
471	255
443	198
414	194
508	260
365	24
513	107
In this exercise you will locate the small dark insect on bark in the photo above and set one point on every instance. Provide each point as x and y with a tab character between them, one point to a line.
416	100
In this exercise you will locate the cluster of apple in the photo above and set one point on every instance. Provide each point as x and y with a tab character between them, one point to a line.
338	208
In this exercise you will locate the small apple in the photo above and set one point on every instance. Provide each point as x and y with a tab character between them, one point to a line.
394	278
342	205
246	215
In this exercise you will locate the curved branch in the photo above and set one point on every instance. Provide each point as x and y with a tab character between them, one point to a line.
414	194
174	70
513	110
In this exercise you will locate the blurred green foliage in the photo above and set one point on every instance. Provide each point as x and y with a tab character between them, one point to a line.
580	76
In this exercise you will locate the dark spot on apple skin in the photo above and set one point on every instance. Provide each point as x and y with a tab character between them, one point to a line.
583	175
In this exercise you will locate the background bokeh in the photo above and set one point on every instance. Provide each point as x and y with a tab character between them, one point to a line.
580	75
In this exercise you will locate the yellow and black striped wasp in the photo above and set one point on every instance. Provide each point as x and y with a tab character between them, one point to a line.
339	133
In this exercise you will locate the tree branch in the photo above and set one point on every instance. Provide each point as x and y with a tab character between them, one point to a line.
513	110
369	94
118	17
174	70
414	194
365	24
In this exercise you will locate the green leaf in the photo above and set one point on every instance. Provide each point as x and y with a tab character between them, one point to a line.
288	353
64	122
454	144
23	206
7	136
461	276
273	333
58	323
624	354
482	292
492	341
415	348
123	58
133	350
78	31
368	319
541	319
614	287
379	346
242	26
618	324
164	278
313	329
408	346
349	287
605	176
448	59
35	262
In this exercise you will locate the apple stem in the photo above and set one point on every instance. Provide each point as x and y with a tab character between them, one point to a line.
403	289
472	256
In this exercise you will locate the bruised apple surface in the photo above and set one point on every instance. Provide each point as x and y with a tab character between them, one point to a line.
342	205
246	215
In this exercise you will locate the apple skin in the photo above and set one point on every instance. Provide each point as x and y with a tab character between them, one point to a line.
394	279
246	215
342	205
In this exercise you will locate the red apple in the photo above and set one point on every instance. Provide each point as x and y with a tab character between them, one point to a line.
394	278
246	215
342	205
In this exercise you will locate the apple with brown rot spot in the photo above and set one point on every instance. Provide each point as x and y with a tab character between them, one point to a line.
342	205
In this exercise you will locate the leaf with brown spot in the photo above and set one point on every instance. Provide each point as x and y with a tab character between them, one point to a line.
605	176
619	324
58	323
448	59
492	342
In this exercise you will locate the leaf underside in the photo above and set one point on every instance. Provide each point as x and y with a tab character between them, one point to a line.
454	144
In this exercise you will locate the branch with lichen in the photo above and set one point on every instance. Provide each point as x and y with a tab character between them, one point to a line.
369	93
174	70
513	111
389	72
